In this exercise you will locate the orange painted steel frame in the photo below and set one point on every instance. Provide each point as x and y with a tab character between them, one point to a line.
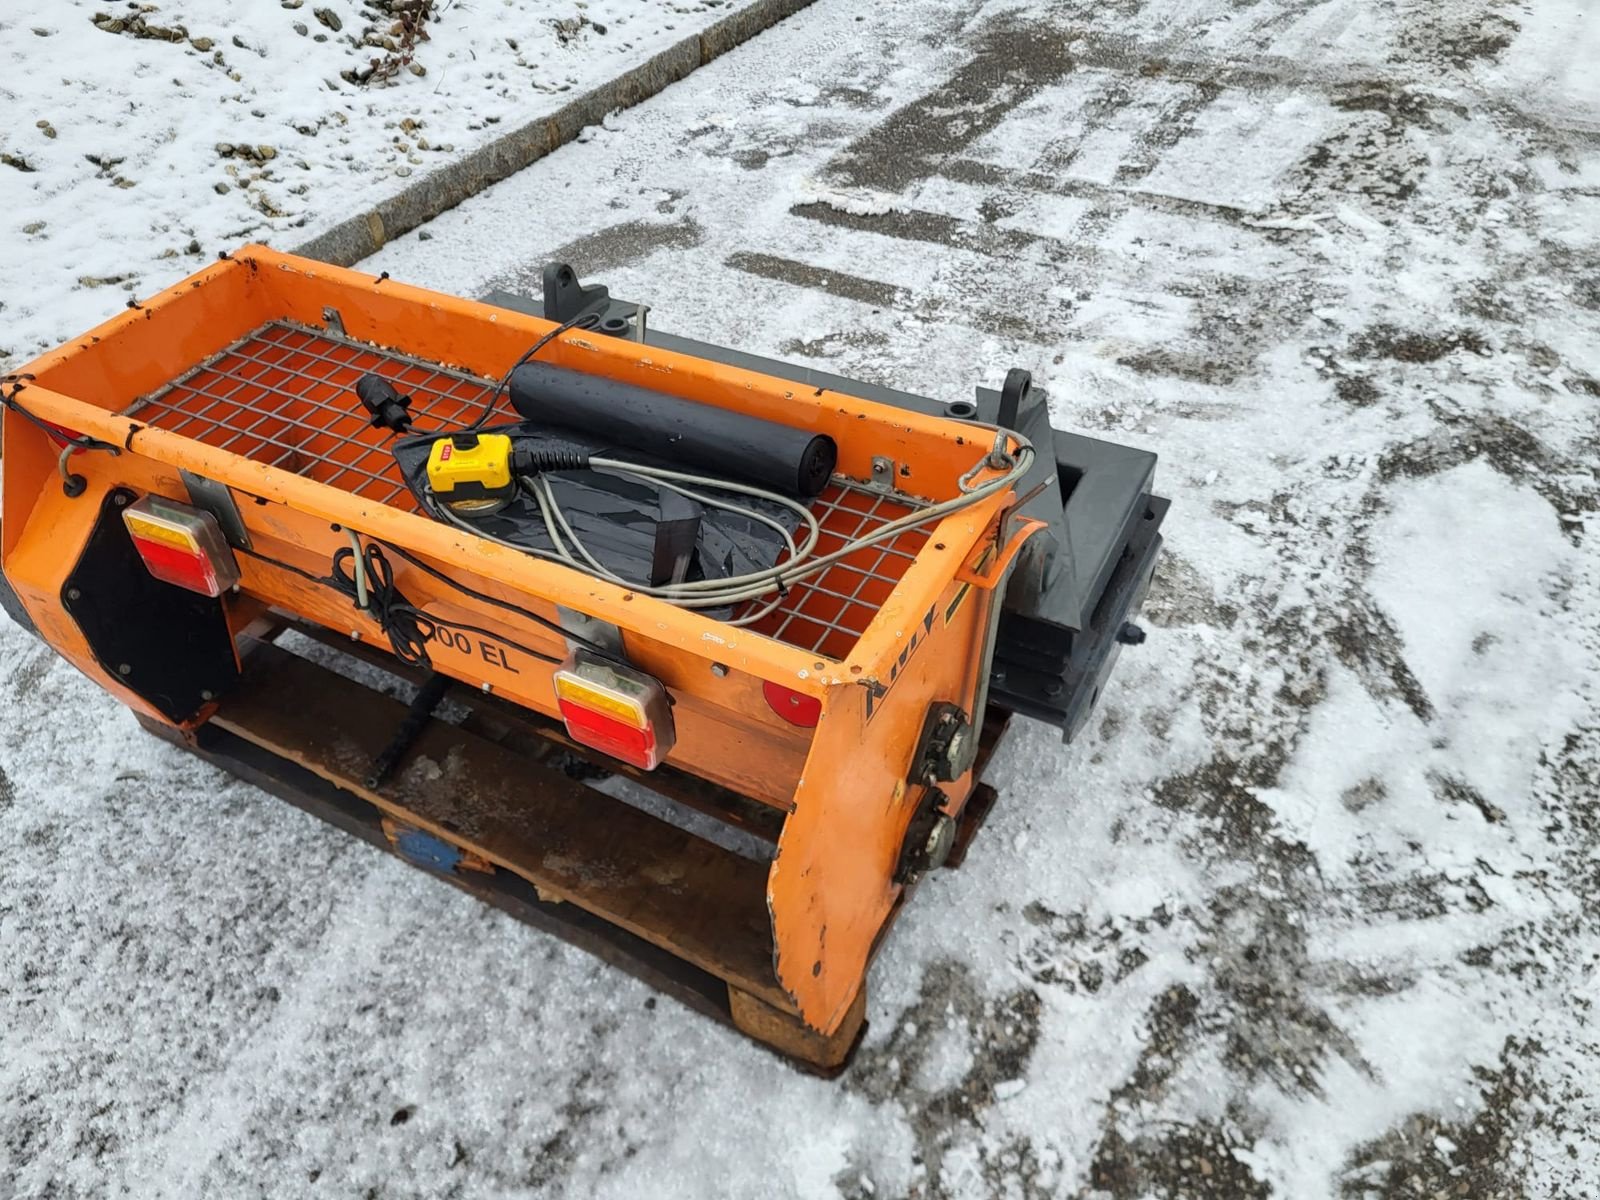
843	784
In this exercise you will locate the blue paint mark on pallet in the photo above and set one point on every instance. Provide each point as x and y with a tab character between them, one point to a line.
424	850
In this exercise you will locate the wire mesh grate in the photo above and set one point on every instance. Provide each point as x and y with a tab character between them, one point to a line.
827	612
284	395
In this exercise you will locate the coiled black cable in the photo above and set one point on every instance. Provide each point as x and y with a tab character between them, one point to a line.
345	584
407	627
555	627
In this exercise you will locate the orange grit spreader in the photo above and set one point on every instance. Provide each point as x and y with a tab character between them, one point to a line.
689	656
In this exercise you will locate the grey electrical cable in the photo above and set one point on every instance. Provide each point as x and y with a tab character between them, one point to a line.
780	575
556	525
721	593
358	569
556	521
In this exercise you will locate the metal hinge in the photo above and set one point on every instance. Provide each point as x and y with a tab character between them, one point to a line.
947	748
928	839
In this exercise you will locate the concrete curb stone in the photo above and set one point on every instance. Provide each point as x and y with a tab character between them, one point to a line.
365	233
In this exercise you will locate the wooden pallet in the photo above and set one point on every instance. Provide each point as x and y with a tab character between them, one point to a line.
490	804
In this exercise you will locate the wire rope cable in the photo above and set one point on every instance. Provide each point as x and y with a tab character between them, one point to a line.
771	583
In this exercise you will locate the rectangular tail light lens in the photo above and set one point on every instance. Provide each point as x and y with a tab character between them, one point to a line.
181	545
615	709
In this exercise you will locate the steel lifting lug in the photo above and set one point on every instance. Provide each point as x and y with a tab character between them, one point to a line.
929	839
1013	395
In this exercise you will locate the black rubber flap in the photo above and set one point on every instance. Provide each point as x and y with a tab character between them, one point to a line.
12	607
168	645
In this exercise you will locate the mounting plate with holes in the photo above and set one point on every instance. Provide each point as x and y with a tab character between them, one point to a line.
216	499
565	298
169	646
884	472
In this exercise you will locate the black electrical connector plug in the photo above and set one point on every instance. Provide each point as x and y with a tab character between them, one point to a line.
534	460
387	406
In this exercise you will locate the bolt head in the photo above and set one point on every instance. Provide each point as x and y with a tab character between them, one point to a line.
719	670
74	594
120	499
124	669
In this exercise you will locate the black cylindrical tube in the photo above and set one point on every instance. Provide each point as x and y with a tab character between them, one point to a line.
712	439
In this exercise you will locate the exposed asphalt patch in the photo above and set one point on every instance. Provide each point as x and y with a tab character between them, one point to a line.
609	248
994	1038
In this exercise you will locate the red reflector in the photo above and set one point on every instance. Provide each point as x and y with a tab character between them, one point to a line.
62	436
794	707
609	735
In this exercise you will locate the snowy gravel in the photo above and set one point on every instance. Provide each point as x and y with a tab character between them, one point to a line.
140	139
1311	909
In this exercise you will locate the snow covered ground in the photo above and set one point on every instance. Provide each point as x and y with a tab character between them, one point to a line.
142	138
1310	911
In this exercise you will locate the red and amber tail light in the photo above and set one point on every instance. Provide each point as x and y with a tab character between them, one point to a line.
615	709
181	545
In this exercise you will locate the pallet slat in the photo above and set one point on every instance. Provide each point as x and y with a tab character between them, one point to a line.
684	915
658	969
686	895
